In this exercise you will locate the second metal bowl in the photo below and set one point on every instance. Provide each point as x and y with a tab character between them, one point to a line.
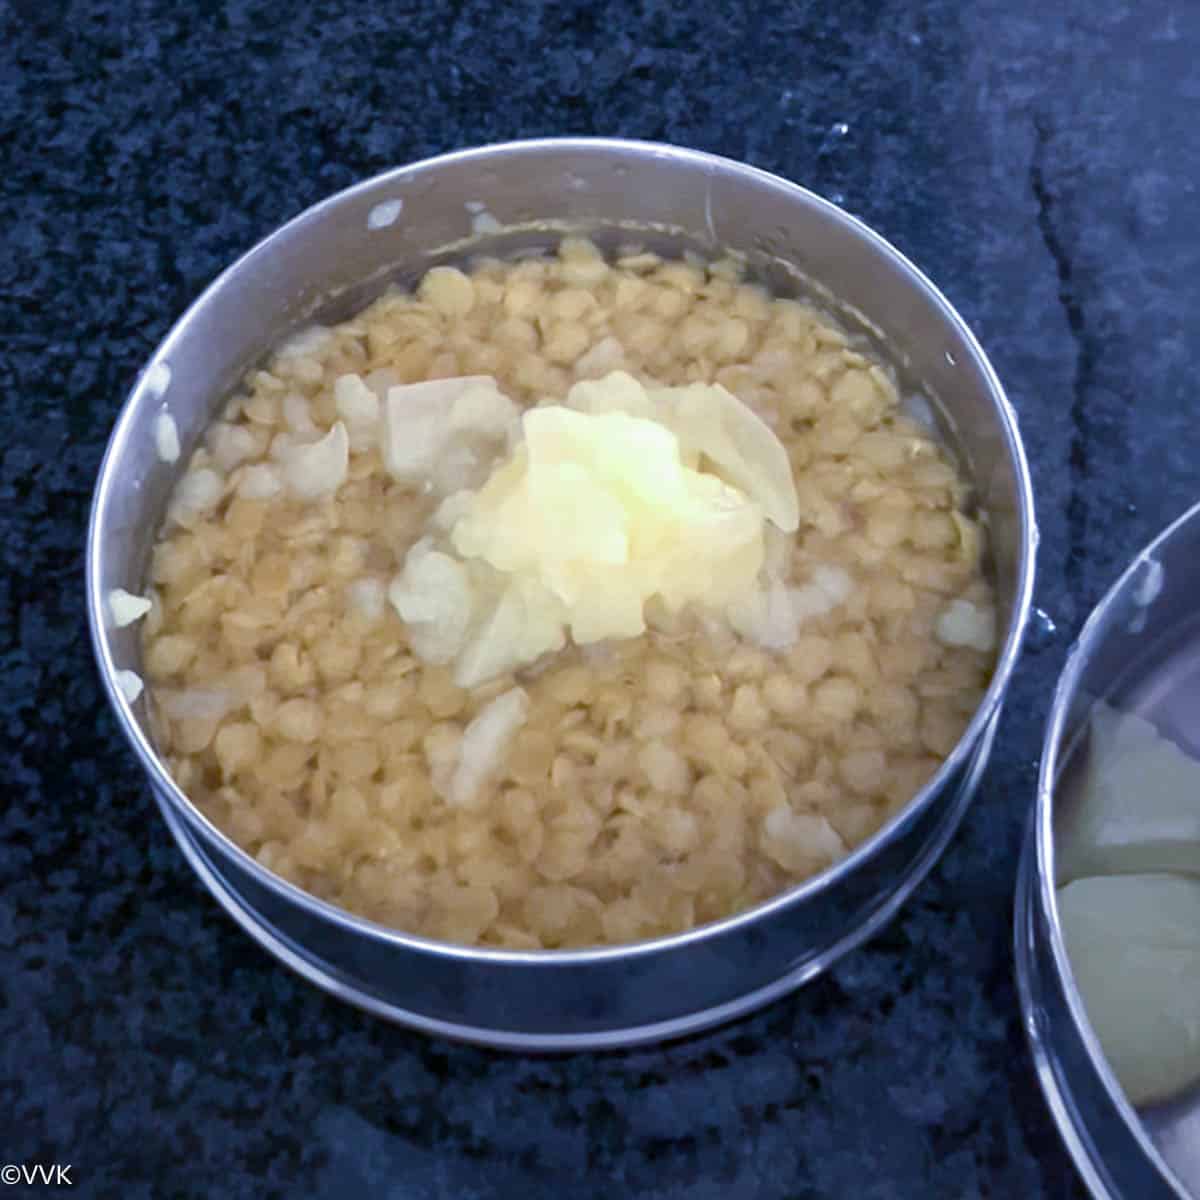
1140	650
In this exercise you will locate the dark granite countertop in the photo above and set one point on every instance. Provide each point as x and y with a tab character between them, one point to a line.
1038	159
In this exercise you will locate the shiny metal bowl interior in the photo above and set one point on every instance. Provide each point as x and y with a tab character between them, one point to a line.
329	261
1140	651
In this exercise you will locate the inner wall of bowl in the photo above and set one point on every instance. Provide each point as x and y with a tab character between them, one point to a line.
333	259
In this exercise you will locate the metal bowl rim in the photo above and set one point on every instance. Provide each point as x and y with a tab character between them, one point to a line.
398	176
314	971
1058	1098
1065	692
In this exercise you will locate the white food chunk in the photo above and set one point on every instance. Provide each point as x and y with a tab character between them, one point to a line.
800	841
205	704
451	510
260	482
777	552
482	409
1150	585
130	685
358	406
772	615
766	616
484	744
1134	946
605	356
527	622
232	444
126	607
306	342
166	438
297	414
434	599
417	422
158	379
318	468
830	586
385	213
962	623
198	492
457	469
616	392
367	597
742	448
1134	808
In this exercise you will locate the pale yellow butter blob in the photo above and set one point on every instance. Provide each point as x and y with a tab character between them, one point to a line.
599	509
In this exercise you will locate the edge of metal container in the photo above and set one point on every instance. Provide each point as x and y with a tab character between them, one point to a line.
1036	930
960	758
326	977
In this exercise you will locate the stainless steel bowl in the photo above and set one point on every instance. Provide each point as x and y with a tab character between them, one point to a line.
1140	650
332	259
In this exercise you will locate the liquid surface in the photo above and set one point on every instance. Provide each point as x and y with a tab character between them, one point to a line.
655	782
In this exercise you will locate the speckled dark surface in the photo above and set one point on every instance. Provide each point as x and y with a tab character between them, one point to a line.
1038	159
